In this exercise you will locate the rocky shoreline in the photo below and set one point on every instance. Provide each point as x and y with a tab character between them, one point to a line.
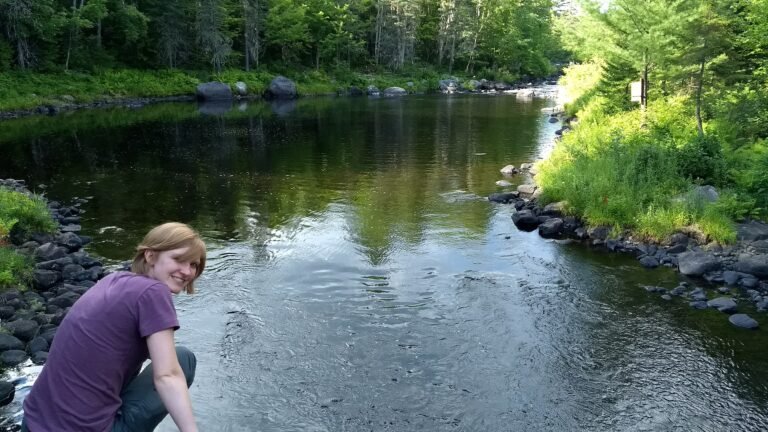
63	272
731	275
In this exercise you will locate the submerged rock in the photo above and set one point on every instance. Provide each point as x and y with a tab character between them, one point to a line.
723	304
743	321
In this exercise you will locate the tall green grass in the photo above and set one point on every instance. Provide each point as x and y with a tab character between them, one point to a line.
614	172
26	213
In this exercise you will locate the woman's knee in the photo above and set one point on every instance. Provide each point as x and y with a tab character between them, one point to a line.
188	363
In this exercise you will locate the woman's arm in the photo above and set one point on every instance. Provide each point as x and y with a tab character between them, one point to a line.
169	379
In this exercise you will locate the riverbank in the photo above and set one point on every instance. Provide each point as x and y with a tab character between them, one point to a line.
28	94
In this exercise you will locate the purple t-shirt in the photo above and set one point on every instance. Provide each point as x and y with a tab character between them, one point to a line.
99	346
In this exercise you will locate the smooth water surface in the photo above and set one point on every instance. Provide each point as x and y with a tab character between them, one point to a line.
359	280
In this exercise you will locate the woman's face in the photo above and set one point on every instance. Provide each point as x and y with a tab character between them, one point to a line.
169	267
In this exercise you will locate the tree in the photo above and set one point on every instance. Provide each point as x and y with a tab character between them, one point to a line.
213	41
287	29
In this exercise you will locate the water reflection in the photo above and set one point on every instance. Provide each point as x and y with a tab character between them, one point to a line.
359	280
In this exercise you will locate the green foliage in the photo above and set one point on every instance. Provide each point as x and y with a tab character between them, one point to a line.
15	269
29	214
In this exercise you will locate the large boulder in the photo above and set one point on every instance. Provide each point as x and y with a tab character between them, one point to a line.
281	88
753	264
752	231
448	85
697	263
23	329
213	91
526	220
372	90
395	91
743	321
551	228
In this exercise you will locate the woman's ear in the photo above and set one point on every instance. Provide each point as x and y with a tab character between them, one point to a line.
149	256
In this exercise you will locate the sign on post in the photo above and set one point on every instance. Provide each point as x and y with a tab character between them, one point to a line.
636	91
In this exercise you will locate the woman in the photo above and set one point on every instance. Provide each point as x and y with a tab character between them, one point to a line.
91	381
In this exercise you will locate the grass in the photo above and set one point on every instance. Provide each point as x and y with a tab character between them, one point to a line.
29	214
613	172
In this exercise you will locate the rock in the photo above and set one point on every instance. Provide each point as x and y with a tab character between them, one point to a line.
525	220
752	231
395	91
503	183
213	91
731	277
724	290
698	295
39	357
49	334
8	342
600	233
551	228
241	88
508	170
448	85
723	304
23	329
65	300
527	189
697	263
698	304
706	193
70	272
11	358
752	264
503	197
37	344
676	249
355	91
555	209
372	90
678	291
44	279
70	240
666	297
49	251
7	392
743	321
749	281
55	265
6	312
649	262
281	88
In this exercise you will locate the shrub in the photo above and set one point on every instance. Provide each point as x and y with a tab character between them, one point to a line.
15	269
19	211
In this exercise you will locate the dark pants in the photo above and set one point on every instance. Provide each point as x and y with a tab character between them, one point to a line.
142	409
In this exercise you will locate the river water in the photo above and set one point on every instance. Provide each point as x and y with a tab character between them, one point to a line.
358	279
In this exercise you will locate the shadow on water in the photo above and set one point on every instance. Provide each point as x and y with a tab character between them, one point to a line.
358	279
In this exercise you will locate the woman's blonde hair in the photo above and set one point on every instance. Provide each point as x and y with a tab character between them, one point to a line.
169	236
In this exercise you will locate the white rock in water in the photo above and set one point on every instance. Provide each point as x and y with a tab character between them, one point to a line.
503	183
508	170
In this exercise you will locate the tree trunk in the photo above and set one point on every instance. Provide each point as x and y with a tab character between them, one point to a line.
699	87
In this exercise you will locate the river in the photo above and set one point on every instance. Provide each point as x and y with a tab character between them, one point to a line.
358	279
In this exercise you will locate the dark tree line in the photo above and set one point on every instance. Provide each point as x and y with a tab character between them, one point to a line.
508	36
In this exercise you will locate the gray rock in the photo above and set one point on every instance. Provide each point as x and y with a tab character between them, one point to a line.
676	249
65	300
6	312
8	342
71	228
752	231
743	321
503	183
723	304
241	88
731	277
698	295
213	91
697	263
527	189
37	344
555	209
504	197
678	291
508	170
49	251
525	220
44	279
600	233
11	358
551	228
281	88
666	297
23	329
448	85
678	239
698	304
70	240
372	90
56	265
749	281
7	392
706	193
752	264
649	262
39	357
395	91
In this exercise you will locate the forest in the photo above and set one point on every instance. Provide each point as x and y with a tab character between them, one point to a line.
510	38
